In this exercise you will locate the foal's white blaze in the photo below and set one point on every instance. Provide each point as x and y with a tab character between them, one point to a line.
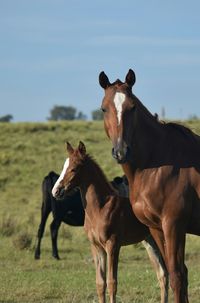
56	185
118	101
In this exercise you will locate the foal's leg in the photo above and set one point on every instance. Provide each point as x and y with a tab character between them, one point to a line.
55	224
99	256
159	266
44	215
175	253
112	260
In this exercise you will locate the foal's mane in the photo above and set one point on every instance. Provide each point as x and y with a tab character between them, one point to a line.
88	159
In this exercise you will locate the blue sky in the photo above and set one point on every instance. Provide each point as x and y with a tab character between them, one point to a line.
52	51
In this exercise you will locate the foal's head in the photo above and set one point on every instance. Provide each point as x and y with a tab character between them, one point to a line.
72	171
117	106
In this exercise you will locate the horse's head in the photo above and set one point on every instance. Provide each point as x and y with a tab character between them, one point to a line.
117	106
70	176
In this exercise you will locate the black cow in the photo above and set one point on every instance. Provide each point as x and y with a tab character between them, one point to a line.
69	210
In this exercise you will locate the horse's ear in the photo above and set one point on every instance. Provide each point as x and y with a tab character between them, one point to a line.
82	148
103	80
130	78
69	148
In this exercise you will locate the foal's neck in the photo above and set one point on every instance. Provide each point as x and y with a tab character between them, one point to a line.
94	187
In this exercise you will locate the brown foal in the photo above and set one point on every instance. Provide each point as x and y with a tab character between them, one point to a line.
109	221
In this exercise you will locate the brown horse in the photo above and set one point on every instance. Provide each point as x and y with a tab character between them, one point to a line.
162	164
109	221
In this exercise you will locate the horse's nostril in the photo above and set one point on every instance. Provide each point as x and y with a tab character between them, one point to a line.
114	153
62	191
121	154
58	193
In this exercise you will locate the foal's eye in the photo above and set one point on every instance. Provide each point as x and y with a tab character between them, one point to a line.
103	109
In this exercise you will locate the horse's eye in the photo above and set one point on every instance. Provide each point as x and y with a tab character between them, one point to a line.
103	109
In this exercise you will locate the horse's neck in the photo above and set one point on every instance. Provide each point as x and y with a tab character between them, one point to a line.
94	188
147	136
147	125
129	171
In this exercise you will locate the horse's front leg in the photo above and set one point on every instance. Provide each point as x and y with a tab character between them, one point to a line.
99	256
45	211
175	253
159	266
112	265
54	227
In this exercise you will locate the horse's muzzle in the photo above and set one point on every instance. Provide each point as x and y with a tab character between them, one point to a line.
58	193
121	154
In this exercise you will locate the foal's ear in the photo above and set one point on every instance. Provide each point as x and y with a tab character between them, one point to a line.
103	80
82	148
130	78
69	148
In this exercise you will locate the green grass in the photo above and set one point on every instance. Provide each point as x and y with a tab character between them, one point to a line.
28	151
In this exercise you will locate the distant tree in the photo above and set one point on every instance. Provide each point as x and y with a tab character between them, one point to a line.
97	114
62	113
6	118
81	116
193	117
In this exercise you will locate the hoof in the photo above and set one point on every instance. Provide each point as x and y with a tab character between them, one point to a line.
37	257
56	257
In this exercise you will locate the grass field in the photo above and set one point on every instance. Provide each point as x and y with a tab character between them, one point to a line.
28	151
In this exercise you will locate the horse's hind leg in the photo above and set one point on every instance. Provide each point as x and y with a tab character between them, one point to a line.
44	215
159	266
55	224
99	256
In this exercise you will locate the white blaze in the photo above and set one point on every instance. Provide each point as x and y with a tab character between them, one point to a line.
118	101
66	164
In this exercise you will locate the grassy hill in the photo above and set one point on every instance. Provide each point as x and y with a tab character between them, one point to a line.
28	151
